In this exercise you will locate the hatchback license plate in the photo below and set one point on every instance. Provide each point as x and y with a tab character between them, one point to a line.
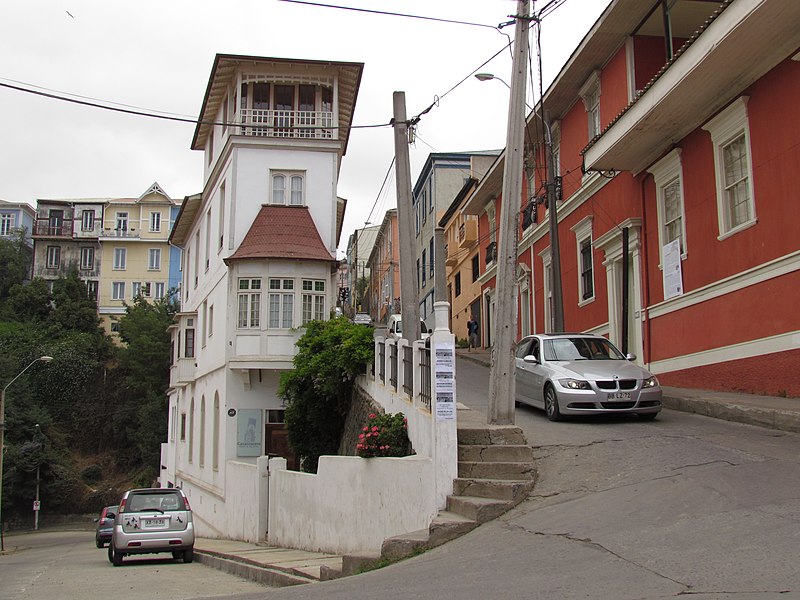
153	523
620	396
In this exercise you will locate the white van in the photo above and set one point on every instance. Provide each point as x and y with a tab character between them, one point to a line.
395	326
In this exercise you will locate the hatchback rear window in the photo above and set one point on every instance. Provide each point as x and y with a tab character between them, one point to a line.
162	501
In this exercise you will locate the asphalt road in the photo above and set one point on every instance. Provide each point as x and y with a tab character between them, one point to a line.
66	565
623	509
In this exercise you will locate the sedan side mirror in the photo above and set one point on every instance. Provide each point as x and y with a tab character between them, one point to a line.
530	358
630	357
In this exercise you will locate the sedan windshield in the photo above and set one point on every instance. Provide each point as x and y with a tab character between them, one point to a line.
580	348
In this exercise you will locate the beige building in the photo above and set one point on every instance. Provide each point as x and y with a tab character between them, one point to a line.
135	254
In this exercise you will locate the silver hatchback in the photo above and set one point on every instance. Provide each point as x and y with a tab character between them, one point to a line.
582	374
153	520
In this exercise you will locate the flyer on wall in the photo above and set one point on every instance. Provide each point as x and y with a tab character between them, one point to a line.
444	381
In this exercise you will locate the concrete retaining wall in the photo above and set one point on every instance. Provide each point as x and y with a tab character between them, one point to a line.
352	504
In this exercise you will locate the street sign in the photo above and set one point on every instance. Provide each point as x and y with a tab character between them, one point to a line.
37	504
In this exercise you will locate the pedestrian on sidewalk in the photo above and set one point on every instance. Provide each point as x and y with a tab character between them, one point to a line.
472	333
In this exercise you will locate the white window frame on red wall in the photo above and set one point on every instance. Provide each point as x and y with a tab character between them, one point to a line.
728	126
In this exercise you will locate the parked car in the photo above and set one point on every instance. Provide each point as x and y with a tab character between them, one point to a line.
105	526
362	319
395	327
152	520
582	374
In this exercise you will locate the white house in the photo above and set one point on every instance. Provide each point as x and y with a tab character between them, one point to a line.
259	260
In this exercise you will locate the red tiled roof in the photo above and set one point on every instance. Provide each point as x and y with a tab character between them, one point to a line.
282	232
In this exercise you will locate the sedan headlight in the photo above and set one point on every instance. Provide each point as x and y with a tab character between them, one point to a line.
575	384
650	382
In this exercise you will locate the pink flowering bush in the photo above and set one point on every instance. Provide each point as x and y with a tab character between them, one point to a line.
384	435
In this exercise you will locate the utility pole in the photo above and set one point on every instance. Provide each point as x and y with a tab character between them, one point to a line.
555	249
405	222
502	387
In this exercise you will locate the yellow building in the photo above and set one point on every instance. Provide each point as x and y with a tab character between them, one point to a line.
136	257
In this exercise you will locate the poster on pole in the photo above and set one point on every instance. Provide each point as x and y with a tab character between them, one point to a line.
444	389
671	265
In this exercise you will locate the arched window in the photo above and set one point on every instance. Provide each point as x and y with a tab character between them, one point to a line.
215	440
202	431
278	189
191	430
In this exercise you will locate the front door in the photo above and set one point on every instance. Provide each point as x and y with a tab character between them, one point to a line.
277	439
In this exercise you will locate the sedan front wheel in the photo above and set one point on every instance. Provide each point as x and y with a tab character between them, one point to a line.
551	404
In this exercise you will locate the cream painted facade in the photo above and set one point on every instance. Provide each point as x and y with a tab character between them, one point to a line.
134	252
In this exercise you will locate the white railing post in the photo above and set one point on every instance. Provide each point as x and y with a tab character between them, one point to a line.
274	465
443	403
262	502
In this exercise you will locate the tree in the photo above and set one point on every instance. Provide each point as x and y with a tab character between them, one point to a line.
142	379
317	392
15	263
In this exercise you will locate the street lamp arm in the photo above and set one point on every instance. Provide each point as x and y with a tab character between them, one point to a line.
42	358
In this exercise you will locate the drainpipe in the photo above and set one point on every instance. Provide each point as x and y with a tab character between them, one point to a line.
645	276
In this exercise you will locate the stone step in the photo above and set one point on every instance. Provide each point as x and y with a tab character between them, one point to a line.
355	563
487	435
479	510
510	490
406	544
449	526
496	470
504	453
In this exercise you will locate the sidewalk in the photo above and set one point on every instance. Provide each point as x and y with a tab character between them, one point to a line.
764	411
268	565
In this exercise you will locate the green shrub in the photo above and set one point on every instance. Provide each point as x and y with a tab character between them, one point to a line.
318	391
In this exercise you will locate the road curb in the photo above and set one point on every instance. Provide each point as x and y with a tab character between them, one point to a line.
750	415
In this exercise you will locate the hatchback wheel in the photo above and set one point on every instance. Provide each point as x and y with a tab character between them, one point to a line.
551	404
188	555
114	556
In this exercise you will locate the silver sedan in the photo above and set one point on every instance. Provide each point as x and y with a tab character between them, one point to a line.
582	374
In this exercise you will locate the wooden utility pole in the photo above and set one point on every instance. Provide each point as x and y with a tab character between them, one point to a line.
502	386
405	222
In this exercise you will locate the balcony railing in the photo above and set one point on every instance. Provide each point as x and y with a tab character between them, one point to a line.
119	233
299	124
46	228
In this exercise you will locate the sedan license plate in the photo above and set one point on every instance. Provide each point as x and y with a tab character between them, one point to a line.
153	523
619	396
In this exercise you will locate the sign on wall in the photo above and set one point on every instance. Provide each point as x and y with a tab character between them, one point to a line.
250	432
671	263
444	356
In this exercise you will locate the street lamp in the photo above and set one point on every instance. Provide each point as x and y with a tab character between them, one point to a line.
3	431
491	77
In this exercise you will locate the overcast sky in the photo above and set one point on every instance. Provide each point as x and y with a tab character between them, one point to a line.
157	56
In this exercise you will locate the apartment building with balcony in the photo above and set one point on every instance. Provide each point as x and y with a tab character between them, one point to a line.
135	253
384	267
675	134
259	247
441	178
66	237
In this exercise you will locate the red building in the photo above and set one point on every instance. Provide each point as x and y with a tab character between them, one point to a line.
676	129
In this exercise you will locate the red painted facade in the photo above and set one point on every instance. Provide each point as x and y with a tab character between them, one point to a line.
735	326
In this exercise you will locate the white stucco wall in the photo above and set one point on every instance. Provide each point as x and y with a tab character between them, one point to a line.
252	185
352	504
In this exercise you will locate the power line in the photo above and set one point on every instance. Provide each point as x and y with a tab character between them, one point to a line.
391	14
154	114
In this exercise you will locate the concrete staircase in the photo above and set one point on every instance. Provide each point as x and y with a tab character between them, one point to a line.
495	473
